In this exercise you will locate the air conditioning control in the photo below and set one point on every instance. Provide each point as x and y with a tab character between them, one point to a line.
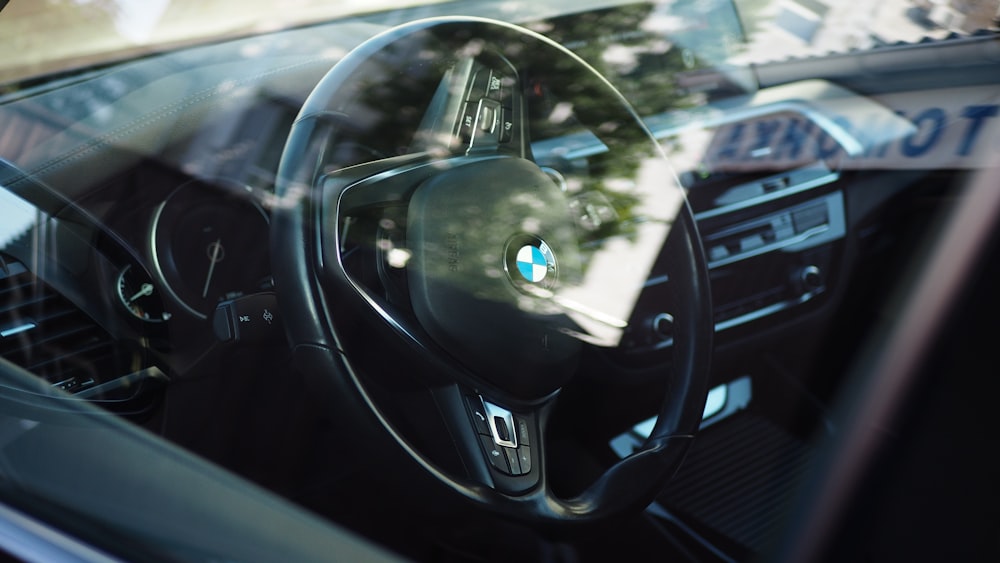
811	278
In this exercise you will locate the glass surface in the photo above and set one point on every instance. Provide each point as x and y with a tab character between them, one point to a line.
820	146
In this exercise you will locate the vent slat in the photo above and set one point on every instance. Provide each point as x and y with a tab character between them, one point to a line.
67	355
24	297
46	334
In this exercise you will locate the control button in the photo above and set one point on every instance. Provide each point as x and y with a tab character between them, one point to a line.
523	431
663	325
480	84
751	242
468	121
500	87
494	86
489	116
506	126
811	277
496	413
502	431
782	226
222	324
495	454
810	217
718	252
486	127
254	318
524	459
478	416
512	461
68	385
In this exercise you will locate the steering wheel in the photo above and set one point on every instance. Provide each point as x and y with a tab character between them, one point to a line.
454	257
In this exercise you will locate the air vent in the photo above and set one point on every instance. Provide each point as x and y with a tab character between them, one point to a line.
46	334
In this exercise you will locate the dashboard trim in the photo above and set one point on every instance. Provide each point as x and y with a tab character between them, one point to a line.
766	198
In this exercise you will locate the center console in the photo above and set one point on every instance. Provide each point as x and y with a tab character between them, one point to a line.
770	243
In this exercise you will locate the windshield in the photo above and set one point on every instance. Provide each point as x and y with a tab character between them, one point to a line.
482	211
57	36
782	29
53	36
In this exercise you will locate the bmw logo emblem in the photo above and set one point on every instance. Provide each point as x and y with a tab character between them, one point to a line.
530	261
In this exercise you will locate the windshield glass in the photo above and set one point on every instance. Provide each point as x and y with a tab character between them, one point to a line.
264	231
57	35
54	36
783	29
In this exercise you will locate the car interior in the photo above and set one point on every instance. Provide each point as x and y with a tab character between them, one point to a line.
564	285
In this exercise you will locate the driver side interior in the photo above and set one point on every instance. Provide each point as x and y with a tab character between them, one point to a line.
803	251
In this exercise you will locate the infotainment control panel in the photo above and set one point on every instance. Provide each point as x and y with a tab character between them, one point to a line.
772	261
772	244
791	229
764	183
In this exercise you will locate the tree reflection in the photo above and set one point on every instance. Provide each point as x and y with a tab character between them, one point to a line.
616	42
561	95
621	211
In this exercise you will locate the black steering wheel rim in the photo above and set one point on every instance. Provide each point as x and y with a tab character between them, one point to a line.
312	281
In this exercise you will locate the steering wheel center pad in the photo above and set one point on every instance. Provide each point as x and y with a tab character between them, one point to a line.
493	244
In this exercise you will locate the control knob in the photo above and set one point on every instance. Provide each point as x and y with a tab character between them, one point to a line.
663	326
811	278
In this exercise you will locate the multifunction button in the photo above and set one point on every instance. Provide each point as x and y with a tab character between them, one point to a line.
488	118
252	318
505	438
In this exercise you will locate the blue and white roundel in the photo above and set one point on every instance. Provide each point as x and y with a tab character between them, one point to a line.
532	263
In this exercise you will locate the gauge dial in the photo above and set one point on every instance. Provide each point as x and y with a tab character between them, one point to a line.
210	243
137	292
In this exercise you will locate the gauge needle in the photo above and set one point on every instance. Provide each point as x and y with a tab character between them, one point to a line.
146	289
213	258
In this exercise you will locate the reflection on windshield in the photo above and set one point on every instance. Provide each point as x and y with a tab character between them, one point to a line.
598	225
618	268
784	29
51	36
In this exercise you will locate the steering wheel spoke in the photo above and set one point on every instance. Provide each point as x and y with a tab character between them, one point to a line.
491	107
501	448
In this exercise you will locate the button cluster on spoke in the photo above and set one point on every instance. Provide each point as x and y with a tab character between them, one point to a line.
505	438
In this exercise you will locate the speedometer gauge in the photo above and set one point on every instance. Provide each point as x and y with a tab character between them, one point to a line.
210	243
138	294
